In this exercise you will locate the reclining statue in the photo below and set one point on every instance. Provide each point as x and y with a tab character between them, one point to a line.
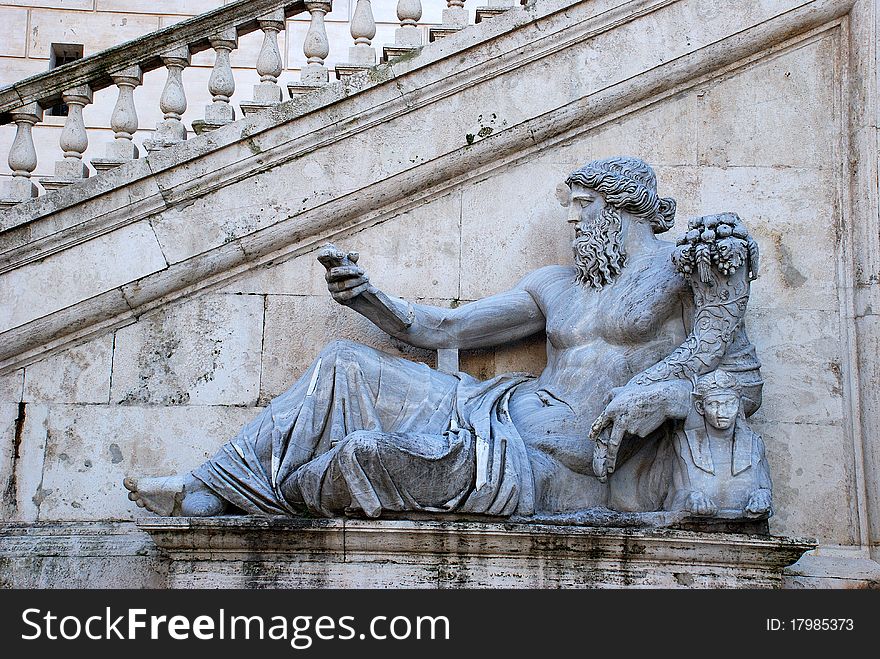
630	326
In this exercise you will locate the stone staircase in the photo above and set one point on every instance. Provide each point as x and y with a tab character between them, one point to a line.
172	48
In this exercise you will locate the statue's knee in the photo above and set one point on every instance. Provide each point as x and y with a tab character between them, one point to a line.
359	442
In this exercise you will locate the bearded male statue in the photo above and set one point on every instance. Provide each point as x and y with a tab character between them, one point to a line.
630	326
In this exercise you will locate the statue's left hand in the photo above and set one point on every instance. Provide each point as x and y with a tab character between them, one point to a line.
345	279
635	410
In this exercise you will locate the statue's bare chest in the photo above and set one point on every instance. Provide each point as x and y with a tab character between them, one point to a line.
631	310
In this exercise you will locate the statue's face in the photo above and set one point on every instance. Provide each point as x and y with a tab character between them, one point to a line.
598	248
720	410
585	206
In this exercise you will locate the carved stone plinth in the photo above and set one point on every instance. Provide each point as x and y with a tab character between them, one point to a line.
392	51
14	190
295	89
276	552
266	95
201	126
347	70
247	109
443	31
483	13
117	153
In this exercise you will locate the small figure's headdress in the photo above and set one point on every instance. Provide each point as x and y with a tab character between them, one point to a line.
718	381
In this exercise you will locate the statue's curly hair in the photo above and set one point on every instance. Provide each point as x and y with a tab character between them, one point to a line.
630	185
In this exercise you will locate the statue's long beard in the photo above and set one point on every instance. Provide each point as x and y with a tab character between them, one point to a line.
598	253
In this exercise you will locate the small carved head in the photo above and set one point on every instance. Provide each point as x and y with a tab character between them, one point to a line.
717	398
628	184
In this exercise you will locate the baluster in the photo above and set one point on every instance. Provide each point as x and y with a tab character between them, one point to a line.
221	84
362	55
22	157
74	140
123	121
269	64
455	18
494	8
316	48
170	130
407	38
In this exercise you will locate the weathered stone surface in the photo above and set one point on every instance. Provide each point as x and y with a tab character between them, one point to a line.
205	351
790	210
300	275
190	7
801	355
780	89
29	492
11	386
298	553
102	264
90	449
8	424
832	572
662	133
529	234
79	555
813	488
869	338
15	23
528	355
411	255
91	30
78	375
15	69
242	217
79	5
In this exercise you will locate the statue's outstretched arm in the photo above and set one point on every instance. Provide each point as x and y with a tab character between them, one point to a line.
483	323
720	260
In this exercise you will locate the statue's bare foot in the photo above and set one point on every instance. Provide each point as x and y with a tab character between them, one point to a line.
699	504
759	502
181	494
161	495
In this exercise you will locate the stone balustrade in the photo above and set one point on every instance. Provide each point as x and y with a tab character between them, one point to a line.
172	48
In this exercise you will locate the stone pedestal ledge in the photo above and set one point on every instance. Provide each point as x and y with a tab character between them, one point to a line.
268	552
